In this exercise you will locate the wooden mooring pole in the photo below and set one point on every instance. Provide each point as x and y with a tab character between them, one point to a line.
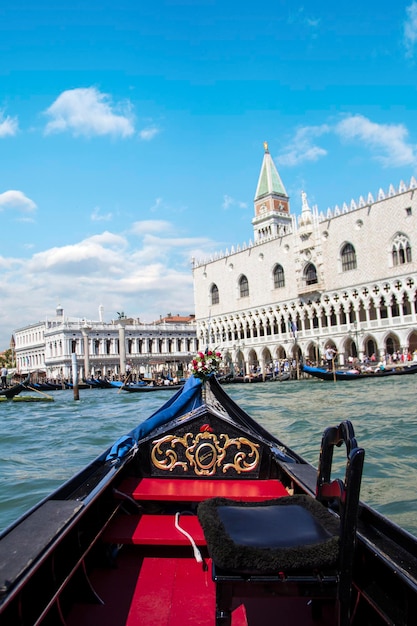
75	376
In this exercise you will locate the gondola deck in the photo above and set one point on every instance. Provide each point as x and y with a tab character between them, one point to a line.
175	591
175	578
153	591
160	582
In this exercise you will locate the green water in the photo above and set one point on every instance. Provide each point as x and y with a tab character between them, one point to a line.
44	444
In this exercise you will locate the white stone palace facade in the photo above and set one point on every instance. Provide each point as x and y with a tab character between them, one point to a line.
346	278
112	349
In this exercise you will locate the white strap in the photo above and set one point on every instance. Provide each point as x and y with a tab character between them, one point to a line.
197	553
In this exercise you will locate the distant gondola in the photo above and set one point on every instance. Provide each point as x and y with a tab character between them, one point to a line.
98	383
257	378
47	386
137	387
353	374
11	392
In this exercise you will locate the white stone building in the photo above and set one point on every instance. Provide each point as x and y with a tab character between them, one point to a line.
106	349
347	278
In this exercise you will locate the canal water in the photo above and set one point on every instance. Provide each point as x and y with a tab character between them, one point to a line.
43	444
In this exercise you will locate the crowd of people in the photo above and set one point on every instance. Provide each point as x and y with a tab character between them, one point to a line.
369	363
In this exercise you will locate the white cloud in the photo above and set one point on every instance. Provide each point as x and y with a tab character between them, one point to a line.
144	280
410	29
7	264
14	199
302	148
8	125
88	112
146	134
145	227
160	206
97	253
25	220
144	272
229	202
97	216
173	251
387	141
310	24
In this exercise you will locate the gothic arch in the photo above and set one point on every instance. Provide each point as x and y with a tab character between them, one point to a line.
243	286
214	294
391	343
278	276
310	274
268	360
295	352
253	360
347	257
313	352
412	341
280	352
370	345
400	249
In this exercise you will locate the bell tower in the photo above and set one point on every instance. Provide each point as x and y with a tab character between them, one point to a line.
272	205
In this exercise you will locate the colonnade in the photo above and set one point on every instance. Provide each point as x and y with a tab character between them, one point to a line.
374	319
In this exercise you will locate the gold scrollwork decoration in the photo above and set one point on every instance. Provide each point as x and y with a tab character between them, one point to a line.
167	458
243	461
205	453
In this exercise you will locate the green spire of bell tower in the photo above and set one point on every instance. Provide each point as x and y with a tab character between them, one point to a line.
269	180
272	208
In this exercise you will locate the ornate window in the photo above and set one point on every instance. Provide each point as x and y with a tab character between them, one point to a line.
279	278
310	274
348	256
243	287
401	250
214	293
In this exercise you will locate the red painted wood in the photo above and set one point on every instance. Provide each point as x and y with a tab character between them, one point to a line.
151	601
154	530
196	490
175	592
334	489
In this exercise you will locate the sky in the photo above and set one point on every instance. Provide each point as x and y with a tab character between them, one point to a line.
131	136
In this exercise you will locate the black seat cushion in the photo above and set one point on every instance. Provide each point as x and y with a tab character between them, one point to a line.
284	534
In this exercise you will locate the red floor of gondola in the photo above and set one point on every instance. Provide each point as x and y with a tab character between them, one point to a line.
157	582
155	591
170	591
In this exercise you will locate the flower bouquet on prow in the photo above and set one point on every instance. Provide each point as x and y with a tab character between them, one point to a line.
206	363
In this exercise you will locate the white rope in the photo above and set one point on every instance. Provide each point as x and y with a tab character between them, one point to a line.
197	553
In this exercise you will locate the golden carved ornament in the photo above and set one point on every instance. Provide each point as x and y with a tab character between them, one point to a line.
205	453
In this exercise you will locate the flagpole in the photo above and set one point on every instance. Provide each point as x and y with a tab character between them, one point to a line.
208	330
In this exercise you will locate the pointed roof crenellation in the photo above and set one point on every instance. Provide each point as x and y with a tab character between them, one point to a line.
269	182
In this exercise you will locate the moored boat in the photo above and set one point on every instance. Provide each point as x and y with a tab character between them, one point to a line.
80	385
98	383
48	386
254	378
144	388
14	390
108	547
355	374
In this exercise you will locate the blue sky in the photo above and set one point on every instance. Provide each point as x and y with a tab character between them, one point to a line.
131	136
